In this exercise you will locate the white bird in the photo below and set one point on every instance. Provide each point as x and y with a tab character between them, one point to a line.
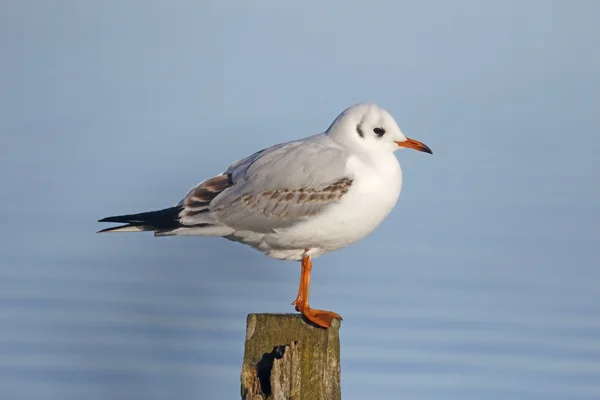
296	200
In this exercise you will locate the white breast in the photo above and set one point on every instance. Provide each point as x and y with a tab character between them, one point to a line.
374	192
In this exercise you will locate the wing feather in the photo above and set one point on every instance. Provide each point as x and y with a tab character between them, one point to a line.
283	185
272	189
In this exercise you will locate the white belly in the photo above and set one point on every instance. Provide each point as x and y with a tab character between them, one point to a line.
374	193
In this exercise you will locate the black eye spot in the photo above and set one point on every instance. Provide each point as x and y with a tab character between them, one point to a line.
360	131
379	131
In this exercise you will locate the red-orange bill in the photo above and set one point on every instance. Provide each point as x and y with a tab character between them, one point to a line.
415	145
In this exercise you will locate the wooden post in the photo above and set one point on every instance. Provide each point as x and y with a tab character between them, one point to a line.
286	358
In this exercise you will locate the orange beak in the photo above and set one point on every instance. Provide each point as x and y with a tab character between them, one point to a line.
415	144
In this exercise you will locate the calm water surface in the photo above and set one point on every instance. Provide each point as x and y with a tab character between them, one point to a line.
482	284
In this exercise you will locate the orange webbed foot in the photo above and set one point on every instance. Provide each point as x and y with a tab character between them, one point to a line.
321	318
298	302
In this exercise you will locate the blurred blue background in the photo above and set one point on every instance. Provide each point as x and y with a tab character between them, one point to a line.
483	283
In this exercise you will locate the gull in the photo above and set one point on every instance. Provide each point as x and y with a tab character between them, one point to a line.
296	200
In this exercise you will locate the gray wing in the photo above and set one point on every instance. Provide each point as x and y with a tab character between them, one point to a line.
273	188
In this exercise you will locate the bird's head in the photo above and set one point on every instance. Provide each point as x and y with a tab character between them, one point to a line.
372	128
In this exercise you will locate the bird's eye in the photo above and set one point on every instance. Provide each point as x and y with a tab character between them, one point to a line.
379	131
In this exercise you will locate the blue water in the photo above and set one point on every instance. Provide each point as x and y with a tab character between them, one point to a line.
481	284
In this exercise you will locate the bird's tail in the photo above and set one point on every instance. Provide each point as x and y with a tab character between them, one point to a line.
157	221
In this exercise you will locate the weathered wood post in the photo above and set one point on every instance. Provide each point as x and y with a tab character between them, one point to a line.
286	358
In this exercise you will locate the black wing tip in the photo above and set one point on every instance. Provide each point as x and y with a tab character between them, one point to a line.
166	218
125	228
129	218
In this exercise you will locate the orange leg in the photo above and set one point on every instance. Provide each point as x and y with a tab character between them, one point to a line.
318	317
